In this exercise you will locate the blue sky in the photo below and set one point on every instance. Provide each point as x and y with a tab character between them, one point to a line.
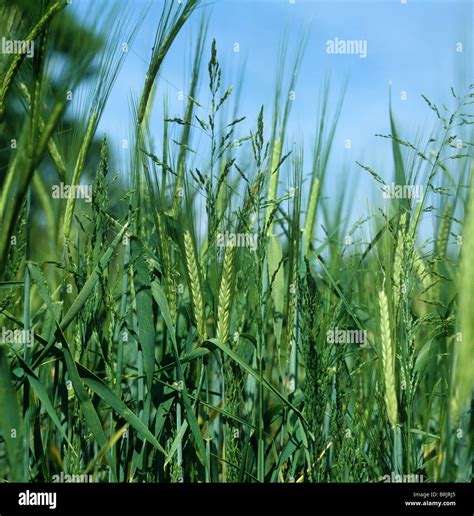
413	46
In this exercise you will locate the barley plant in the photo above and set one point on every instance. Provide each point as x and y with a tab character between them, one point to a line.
187	319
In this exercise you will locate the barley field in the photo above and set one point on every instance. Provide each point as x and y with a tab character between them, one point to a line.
218	316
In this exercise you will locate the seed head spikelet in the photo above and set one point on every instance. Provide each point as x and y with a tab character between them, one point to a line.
225	293
195	284
388	360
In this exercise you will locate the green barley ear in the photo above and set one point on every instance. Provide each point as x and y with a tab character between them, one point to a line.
398	276
230	452
311	214
196	293
170	25
388	360
442	242
170	283
225	292
423	273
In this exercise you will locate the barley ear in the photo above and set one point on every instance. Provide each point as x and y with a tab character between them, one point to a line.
398	276
225	291
311	214
423	273
442	242
388	361
196	294
273	184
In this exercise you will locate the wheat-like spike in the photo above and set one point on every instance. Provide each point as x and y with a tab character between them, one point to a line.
311	214
161	48
388	360
168	270
196	294
444	232
398	260
225	291
422	271
171	295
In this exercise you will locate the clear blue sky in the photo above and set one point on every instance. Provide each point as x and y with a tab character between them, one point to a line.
411	45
